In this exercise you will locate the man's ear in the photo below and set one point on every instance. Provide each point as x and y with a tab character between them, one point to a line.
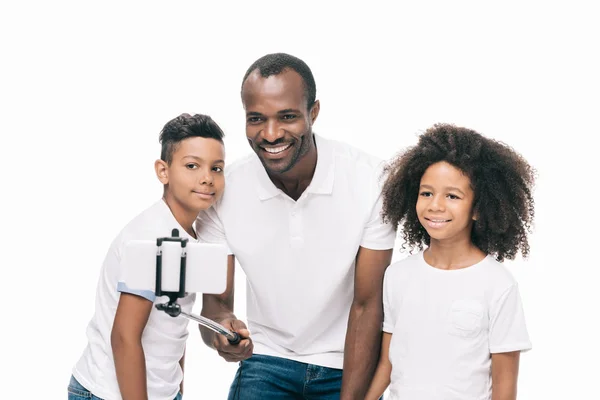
314	111
162	171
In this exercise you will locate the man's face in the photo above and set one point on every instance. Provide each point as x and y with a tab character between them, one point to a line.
278	122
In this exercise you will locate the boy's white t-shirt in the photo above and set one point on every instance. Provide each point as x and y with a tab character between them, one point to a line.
164	337
445	324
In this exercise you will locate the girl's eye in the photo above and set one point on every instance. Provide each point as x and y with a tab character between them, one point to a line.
453	197
425	194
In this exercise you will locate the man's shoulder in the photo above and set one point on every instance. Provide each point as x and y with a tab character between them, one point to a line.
355	156
355	162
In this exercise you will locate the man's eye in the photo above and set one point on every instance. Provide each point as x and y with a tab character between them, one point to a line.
254	120
288	117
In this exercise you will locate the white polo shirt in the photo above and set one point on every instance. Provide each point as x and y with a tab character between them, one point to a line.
164	337
298	256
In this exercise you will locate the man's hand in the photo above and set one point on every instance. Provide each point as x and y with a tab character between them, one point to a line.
234	352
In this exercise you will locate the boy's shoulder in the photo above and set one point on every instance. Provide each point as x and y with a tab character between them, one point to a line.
155	221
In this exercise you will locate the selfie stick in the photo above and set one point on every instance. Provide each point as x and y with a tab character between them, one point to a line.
172	307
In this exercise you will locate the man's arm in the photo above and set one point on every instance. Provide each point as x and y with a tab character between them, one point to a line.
126	341
363	338
219	308
505	370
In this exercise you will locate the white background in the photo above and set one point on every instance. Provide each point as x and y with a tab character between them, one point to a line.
86	86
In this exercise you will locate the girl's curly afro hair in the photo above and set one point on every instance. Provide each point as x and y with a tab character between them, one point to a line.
501	179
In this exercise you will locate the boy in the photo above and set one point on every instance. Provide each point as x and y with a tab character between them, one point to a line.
135	351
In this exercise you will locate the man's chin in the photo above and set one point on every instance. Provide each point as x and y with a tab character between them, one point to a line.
276	166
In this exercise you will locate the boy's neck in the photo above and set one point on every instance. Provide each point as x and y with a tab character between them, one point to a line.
455	255
185	218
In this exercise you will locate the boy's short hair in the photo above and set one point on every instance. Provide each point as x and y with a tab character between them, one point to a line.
187	126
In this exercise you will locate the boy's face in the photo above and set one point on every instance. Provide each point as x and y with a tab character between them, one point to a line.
445	203
194	180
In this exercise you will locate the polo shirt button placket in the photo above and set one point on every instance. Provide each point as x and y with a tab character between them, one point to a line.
296	239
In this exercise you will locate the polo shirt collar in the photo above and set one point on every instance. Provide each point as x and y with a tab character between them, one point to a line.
322	181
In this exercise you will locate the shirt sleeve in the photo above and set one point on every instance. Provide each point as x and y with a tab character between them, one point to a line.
378	235
209	228
508	331
389	319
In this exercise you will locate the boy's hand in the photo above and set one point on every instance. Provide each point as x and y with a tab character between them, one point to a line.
234	352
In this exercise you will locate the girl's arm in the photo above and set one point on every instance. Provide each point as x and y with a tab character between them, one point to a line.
381	379
505	370
126	340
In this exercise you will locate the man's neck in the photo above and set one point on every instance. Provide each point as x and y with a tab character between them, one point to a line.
295	181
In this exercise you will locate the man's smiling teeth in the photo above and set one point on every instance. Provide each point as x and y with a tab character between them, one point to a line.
275	150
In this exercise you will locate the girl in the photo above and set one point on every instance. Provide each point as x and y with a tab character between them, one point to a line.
454	325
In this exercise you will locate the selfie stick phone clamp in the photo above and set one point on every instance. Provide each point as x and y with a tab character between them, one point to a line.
172	308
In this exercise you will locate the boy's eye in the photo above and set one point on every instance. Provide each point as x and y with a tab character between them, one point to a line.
218	169
191	166
453	197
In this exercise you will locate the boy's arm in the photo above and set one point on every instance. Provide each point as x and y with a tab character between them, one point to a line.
182	363
126	341
505	370
363	337
219	308
381	379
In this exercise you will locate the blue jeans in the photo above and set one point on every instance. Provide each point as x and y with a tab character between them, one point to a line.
78	392
265	378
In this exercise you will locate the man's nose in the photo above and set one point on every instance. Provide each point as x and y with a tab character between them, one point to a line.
272	131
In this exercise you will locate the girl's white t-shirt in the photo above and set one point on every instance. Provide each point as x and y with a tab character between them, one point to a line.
446	324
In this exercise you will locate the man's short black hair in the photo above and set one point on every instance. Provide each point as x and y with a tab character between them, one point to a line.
187	126
274	64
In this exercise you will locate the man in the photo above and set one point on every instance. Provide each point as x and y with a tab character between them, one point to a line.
303	219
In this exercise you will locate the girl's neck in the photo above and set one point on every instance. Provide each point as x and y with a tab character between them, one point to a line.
455	255
185	218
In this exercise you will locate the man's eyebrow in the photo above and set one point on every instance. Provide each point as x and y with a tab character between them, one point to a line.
287	110
254	113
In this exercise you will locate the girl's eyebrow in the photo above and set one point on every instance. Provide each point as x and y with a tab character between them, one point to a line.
451	188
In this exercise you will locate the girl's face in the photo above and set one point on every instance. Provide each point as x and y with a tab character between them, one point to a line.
445	203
